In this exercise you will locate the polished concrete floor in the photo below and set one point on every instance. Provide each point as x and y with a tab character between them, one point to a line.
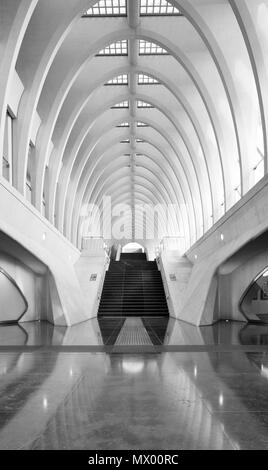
209	399
159	331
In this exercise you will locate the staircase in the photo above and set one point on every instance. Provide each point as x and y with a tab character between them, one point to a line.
133	287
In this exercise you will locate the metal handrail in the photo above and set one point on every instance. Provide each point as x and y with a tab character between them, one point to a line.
11	322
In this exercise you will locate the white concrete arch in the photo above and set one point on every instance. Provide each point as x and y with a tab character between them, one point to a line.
60	139
144	195
143	226
202	90
187	144
55	20
209	156
106	182
109	145
99	188
209	37
56	153
172	179
14	19
168	177
181	200
203	133
185	188
248	30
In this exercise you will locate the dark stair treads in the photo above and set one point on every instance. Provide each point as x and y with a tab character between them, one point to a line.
133	256
133	287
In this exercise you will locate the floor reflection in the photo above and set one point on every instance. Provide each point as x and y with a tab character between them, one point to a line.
20	375
142	402
186	400
144	330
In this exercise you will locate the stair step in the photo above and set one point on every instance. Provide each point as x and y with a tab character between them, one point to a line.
133	287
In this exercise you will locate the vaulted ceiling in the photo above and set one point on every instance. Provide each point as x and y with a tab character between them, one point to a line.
146	101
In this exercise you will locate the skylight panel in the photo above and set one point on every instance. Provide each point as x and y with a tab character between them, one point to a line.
142	124
147	80
119	80
157	7
121	105
123	124
125	141
116	48
140	141
108	8
143	104
150	48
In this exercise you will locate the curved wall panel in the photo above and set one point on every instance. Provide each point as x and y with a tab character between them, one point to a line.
13	304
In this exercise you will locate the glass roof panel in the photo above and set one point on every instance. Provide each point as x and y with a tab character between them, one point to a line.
144	79
150	48
122	104
108	8
116	48
157	7
142	124
119	80
143	104
123	124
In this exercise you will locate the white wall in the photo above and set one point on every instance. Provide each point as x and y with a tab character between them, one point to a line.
20	221
171	263
237	274
88	265
244	222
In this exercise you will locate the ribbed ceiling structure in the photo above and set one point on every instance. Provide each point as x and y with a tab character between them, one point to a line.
149	102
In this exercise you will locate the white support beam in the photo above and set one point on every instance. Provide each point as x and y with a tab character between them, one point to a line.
133	9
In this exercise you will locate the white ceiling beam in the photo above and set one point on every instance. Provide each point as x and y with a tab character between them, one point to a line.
133	9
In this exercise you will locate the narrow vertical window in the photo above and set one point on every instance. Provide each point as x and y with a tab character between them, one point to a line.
29	174
45	193
8	149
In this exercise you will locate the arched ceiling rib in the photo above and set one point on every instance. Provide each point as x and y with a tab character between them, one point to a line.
206	128
171	152
188	221
180	134
60	147
180	181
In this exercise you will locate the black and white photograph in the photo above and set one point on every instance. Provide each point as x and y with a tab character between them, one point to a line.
133	230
